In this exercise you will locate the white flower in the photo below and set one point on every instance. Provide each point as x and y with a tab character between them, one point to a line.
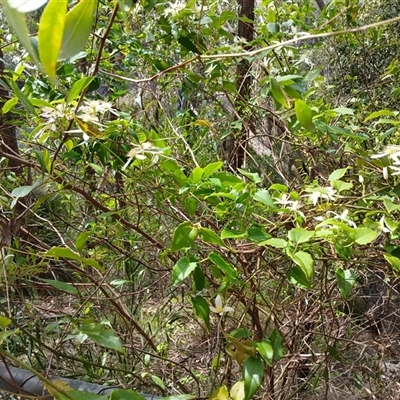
174	8
392	151
385	173
343	217
360	179
92	107
24	6
396	171
328	193
383	225
219	308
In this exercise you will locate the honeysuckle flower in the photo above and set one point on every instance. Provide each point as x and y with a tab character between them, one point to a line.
343	217
175	8
92	107
24	6
396	171
383	226
391	151
219	307
327	193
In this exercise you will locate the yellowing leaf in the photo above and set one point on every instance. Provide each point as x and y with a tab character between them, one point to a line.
51	31
88	128
202	122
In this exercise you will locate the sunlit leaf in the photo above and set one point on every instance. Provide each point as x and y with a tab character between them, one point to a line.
253	375
182	269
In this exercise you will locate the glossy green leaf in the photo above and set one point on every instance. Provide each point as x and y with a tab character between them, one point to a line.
278	93
124	394
346	279
209	236
266	351
378	114
257	235
264	197
300	235
183	237
253	176
78	87
276	340
80	241
224	266
201	309
103	337
337	174
211	168
9	105
390	206
199	279
365	235
64	287
196	175
253	375
182	269
78	25
50	35
188	44
22	191
393	261
21	96
304	115
298	277
64	252
305	262
232	234
274	242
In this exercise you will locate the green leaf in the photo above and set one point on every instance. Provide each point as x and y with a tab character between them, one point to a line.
211	168
50	35
276	340
78	87
209	236
21	96
346	279
264	197
304	115
300	235
22	191
298	277
64	287
125	394
266	351
253	176
274	242
18	22
103	337
182	269
343	111
202	309
196	175
364	235
380	113
337	174
64	252
188	44
224	266
78	25
184	236
199	279
278	94
341	186
9	105
232	234
257	235
80	241
390	206
253	375
305	261
393	261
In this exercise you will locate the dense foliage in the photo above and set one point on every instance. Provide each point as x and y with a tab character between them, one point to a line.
186	210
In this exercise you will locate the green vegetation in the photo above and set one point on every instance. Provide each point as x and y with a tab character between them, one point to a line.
186	210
